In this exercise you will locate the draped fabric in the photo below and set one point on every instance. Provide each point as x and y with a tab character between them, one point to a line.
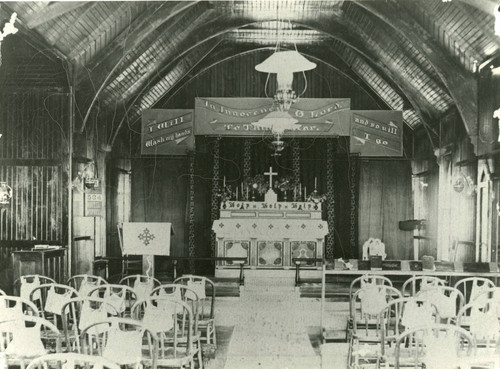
190	211
330	197
215	189
354	198
185	191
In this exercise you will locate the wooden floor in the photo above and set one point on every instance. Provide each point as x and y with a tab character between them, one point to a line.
333	356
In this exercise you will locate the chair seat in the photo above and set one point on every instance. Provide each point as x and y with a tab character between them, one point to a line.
169	357
205	322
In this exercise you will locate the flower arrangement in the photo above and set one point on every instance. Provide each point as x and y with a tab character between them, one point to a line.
258	183
225	193
285	183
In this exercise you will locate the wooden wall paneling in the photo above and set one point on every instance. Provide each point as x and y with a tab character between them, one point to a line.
118	201
159	194
237	77
457	209
33	151
385	199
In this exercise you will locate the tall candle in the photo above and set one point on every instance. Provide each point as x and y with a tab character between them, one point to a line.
224	183
247	194
300	190
315	182
305	193
294	193
241	188
236	193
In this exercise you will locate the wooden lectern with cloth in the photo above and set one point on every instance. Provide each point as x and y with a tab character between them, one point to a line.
147	239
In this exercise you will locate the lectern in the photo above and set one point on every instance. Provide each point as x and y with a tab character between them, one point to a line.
147	239
46	262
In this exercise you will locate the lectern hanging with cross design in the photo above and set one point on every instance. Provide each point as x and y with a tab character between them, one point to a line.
270	233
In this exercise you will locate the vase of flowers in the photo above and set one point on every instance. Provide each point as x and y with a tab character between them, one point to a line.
257	185
284	184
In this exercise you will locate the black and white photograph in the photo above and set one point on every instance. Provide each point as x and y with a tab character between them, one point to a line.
250	184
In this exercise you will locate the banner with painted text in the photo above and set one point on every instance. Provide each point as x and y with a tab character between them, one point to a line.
234	117
377	133
167	132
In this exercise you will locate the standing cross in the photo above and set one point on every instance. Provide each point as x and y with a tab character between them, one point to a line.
270	174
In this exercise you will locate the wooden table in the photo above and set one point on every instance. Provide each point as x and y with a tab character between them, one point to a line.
49	263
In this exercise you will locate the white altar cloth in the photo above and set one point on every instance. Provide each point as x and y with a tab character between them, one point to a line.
271	229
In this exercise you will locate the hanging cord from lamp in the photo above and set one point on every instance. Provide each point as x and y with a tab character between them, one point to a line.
303	72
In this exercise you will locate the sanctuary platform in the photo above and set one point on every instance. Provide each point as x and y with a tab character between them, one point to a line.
269	234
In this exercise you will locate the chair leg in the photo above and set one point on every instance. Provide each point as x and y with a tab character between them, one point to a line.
214	339
200	358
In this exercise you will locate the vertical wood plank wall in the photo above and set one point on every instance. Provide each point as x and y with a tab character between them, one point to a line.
159	190
450	213
33	151
241	79
33	161
457	210
384	200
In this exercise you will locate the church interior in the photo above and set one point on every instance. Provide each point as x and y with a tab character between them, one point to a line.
250	184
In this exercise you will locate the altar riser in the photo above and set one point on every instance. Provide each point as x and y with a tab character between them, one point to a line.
267	273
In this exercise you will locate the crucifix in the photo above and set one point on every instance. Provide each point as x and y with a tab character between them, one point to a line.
270	174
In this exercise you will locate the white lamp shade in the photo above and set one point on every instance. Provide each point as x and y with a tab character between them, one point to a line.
285	62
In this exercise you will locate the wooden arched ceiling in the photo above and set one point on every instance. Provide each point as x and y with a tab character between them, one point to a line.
415	55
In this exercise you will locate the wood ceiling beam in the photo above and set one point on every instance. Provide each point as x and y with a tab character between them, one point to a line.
340	30
489	33
140	30
188	64
228	51
336	27
131	37
487	6
461	84
51	12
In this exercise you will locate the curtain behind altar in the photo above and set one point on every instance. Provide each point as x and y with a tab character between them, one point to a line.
160	188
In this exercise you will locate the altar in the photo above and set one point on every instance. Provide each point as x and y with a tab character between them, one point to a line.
270	235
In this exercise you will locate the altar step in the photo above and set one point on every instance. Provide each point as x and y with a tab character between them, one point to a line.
227	287
224	287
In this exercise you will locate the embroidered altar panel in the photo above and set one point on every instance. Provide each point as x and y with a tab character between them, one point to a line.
236	249
270	253
303	249
270	235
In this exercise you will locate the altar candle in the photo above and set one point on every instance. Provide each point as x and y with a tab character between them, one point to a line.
305	193
224	183
242	189
247	193
315	182
294	193
236	193
300	190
